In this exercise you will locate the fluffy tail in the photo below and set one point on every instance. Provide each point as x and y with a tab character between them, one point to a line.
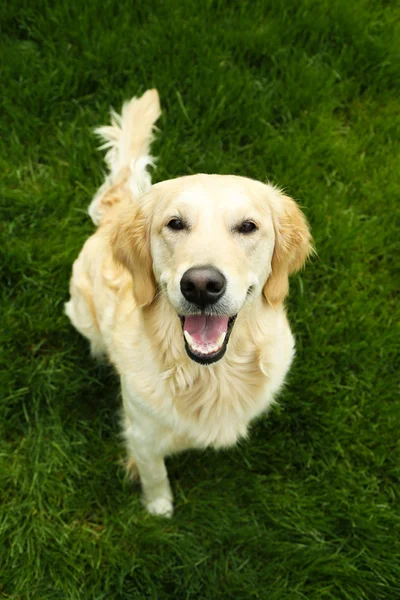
127	141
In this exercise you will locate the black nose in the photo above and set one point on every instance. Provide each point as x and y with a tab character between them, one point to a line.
203	285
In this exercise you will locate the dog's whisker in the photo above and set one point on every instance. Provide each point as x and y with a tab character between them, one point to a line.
161	293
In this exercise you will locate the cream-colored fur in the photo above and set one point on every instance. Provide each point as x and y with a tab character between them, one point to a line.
125	298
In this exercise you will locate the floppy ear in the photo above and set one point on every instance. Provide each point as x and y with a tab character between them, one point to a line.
292	247
131	246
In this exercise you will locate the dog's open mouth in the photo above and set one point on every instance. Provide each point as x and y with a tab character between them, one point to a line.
206	336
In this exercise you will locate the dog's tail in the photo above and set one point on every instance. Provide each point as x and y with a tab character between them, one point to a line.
127	141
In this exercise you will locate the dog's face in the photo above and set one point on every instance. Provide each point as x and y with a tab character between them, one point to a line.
211	244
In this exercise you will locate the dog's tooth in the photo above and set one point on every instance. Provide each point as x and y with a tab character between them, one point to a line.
220	340
189	338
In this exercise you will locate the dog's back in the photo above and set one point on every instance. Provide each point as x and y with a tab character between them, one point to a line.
127	141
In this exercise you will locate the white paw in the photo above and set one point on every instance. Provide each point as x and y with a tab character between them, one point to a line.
160	507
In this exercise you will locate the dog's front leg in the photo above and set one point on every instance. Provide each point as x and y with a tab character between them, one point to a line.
157	494
144	438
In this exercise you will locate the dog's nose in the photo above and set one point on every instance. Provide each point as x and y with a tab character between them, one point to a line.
203	285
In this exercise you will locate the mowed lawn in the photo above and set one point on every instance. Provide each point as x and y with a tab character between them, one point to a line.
306	94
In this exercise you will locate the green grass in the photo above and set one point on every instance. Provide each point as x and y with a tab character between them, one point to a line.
304	93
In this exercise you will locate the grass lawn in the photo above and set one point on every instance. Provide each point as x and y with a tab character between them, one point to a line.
305	93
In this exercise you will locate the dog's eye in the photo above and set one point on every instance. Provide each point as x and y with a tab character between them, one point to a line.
247	227
176	224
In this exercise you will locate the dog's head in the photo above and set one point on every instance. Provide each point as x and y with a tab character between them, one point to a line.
211	244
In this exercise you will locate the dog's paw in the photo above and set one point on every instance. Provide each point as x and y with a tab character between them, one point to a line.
161	507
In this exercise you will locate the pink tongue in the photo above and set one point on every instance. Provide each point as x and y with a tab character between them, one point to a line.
205	329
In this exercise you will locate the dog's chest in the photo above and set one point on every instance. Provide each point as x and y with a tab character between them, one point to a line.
215	405
206	405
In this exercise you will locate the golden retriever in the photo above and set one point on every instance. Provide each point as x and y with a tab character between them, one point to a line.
182	288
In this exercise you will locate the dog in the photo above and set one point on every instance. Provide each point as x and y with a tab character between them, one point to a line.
181	287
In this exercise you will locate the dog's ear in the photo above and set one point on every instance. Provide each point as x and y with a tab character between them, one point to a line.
131	247
292	247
